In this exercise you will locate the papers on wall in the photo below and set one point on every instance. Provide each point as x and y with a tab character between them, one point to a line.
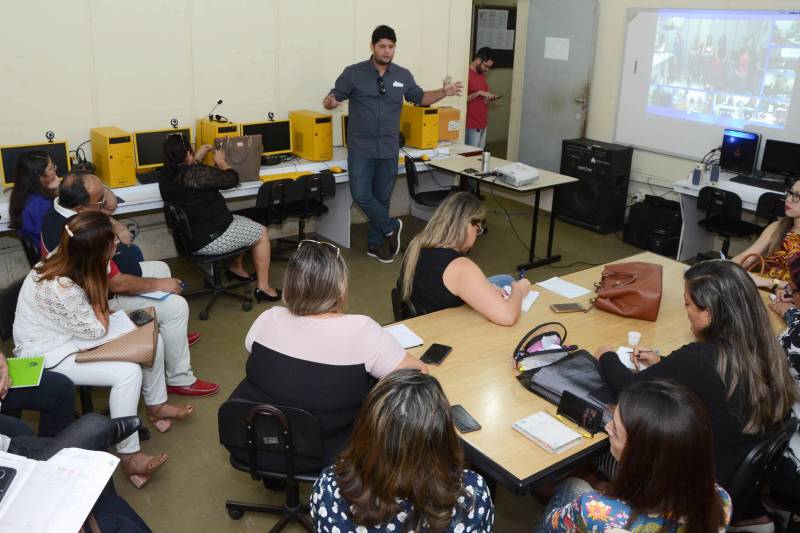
55	495
546	431
492	30
556	48
563	288
404	335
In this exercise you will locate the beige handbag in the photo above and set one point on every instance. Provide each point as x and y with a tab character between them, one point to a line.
243	154
138	346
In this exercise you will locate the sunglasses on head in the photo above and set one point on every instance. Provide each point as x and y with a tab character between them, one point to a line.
311	242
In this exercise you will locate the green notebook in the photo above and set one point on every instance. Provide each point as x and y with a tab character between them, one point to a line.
25	371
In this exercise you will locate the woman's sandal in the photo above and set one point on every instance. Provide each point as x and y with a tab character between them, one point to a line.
163	422
138	467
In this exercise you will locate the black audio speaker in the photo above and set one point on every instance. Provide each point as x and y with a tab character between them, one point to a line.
597	200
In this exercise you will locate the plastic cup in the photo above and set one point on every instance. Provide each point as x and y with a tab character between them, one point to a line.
633	338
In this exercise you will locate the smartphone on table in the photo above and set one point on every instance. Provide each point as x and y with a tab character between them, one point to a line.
140	317
435	354
571	307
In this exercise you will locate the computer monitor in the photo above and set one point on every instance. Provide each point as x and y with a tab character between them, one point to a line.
781	157
149	146
739	151
57	150
276	136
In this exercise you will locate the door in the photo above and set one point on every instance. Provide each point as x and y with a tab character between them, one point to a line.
558	72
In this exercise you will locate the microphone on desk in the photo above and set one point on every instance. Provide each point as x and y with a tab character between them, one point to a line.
211	113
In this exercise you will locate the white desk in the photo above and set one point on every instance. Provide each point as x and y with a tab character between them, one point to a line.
694	239
334	225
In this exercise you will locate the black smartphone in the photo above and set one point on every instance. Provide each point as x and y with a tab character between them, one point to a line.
463	420
140	317
583	413
435	354
6	475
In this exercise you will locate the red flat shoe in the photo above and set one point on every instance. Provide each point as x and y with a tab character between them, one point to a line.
198	388
193	337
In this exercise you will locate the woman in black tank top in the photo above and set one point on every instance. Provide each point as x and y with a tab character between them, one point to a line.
437	274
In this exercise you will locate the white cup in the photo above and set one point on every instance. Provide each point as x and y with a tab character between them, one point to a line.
633	338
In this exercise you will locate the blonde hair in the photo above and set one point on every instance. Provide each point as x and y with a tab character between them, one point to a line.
316	280
447	228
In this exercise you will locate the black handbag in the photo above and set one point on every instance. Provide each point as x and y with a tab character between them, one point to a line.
531	352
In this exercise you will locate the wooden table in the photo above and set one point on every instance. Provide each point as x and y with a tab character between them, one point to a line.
479	374
546	180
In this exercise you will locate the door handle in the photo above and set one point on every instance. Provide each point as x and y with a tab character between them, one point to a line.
581	100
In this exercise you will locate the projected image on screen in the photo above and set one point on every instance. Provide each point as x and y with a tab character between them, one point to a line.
728	69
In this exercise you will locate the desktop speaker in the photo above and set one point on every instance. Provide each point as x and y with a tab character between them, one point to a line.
597	200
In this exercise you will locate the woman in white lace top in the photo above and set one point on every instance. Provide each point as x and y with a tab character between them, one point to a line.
66	296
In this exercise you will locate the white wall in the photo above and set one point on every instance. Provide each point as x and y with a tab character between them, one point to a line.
71	65
136	64
649	169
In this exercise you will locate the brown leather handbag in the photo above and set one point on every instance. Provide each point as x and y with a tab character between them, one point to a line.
138	346
243	154
631	290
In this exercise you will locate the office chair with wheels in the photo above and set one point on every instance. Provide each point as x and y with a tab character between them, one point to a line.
402	309
269	442
178	222
760	461
32	252
724	216
426	198
305	199
770	206
273	197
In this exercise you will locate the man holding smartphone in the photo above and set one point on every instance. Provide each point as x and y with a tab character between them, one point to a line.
478	97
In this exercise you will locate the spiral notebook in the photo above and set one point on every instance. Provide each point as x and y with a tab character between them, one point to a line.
25	371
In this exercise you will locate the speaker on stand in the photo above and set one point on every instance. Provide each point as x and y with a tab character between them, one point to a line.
597	200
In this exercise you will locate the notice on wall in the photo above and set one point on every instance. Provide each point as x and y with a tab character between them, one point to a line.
492	30
556	48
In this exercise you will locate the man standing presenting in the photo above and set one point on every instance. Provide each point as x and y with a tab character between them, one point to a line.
376	88
478	97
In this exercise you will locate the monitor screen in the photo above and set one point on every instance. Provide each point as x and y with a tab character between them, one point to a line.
781	157
57	151
150	146
739	151
275	136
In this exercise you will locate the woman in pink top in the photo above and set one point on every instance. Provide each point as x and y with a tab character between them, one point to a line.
311	354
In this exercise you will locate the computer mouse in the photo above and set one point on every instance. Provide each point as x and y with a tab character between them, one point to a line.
336	170
425	157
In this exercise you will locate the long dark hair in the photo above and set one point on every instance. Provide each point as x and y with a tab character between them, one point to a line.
82	255
28	173
667	464
750	357
403	446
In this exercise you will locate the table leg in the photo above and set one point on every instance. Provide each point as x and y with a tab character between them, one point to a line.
549	258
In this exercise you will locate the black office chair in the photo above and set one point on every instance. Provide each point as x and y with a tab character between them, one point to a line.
770	206
426	198
8	310
724	216
178	222
257	433
271	202
305	199
760	461
402	309
31	249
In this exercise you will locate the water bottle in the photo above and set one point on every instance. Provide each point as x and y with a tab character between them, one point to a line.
487	156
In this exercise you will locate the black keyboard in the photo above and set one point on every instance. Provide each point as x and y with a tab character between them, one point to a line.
148	177
772	184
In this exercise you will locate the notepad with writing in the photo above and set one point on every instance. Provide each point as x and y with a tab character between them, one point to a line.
546	431
25	371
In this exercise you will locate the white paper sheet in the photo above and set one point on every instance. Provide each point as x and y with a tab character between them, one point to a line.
156	295
624	354
404	335
118	325
563	288
556	48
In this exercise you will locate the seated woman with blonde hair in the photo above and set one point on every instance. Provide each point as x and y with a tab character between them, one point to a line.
313	355
437	274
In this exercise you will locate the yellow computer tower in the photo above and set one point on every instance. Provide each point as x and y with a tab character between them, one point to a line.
312	135
420	126
208	130
112	154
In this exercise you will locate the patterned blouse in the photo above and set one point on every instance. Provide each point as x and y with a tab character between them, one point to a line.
596	512
777	265
330	512
790	339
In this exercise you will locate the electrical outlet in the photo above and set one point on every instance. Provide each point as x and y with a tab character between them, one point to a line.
637	197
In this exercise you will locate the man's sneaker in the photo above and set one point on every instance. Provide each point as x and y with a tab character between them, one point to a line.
380	253
394	239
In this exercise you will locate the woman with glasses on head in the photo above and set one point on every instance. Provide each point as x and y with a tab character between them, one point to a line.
661	438
65	297
194	187
311	354
735	366
403	468
437	274
777	244
35	188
